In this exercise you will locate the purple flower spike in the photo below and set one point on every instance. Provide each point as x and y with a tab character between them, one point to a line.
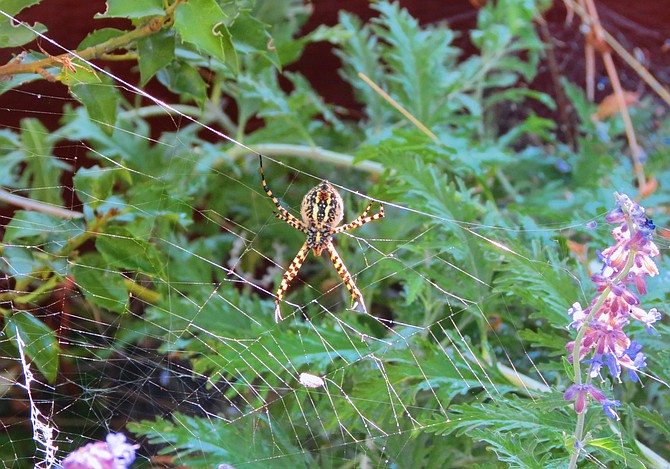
619	284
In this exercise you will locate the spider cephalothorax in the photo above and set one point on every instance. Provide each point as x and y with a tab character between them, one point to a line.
322	210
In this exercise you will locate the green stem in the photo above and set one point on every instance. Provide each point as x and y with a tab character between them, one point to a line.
142	293
91	232
147	29
45	287
311	153
579	429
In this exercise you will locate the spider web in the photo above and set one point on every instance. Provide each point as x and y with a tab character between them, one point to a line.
195	346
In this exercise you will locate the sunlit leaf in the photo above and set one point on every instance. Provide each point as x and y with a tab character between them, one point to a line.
41	347
94	185
98	95
44	168
132	8
155	52
121	249
101	285
203	24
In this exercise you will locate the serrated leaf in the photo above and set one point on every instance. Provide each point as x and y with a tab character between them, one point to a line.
132	9
155	52
121	249
218	440
609	444
652	418
509	415
100	285
202	23
41	346
93	185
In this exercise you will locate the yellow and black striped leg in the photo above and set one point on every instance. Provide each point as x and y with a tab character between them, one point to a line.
362	219
282	214
288	277
358	303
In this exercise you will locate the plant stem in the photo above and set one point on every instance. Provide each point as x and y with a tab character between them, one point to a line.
147	29
311	153
37	206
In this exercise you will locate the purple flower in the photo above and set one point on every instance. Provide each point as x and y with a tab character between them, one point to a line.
580	393
647	317
596	365
608	408
577	315
613	365
113	453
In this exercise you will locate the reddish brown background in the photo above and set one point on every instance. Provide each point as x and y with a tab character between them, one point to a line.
642	24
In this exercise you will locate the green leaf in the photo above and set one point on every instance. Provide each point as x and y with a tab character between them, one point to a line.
132	9
155	52
652	418
610	444
14	81
100	285
40	347
184	79
219	441
251	36
29	224
99	36
121	249
12	7
93	185
97	94
12	35
20	261
512	415
202	23
44	168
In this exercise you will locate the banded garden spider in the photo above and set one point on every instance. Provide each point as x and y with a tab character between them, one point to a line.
322	210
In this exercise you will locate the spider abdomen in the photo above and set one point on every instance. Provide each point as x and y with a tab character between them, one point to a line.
322	207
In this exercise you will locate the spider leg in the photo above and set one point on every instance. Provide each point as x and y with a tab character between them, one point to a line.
282	214
288	277
292	221
359	304
362	219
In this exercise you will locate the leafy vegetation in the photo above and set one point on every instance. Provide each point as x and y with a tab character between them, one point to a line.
172	247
